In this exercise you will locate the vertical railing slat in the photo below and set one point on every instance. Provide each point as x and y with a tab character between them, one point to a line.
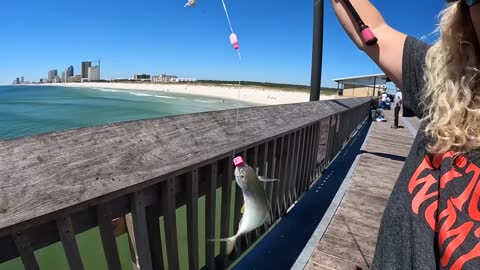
226	202
211	177
315	150
287	171
67	235
313	157
301	162
271	161
139	219
303	159
308	160
154	236
316	146
25	251
293	173
170	221
108	238
192	219
331	130
276	200
256	160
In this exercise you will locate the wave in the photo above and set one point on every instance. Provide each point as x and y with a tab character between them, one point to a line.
207	101
135	93
141	94
109	90
169	97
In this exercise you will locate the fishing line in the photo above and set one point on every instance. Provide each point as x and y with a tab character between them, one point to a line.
234	42
238	104
228	17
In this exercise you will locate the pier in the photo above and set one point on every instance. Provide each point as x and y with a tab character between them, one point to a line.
58	185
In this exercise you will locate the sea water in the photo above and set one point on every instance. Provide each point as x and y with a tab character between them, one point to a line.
30	110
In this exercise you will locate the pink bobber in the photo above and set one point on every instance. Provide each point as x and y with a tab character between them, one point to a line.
238	161
234	41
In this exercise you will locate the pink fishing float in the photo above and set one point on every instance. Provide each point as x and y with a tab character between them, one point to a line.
238	161
234	41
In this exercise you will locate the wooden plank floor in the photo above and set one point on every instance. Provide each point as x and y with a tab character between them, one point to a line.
350	239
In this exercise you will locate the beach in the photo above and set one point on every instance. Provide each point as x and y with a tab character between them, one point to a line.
251	94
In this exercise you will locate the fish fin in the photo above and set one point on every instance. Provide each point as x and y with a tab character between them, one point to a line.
229	241
264	179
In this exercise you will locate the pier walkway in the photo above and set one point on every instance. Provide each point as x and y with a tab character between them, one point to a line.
355	214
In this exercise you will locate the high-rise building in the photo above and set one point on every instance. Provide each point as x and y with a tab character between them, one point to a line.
94	73
85	66
70	71
64	76
22	80
17	81
52	74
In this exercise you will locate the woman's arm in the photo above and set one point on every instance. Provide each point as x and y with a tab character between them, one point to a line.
388	51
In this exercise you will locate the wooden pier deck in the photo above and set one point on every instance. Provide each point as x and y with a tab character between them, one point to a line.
350	238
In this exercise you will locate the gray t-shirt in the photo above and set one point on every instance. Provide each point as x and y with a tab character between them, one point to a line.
432	219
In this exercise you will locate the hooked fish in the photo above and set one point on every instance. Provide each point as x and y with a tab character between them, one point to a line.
191	3
256	210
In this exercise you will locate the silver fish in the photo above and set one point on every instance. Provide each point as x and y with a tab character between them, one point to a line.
256	208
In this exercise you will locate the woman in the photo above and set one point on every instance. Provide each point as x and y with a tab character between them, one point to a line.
432	219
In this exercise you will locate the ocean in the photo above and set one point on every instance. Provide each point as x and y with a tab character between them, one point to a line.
30	110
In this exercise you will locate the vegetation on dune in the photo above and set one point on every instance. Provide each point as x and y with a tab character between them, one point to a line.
286	87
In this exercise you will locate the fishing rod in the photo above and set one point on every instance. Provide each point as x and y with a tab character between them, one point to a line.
365	32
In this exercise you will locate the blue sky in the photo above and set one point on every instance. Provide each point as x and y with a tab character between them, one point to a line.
160	36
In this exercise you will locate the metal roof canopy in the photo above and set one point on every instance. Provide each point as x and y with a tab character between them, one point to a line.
365	80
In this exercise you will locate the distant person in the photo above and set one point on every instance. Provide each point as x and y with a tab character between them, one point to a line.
383	103
432	219
397	104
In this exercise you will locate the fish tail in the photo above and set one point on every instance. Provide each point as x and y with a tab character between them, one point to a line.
229	241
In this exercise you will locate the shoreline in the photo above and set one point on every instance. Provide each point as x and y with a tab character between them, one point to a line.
257	95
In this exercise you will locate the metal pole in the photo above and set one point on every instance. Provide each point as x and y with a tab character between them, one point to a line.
317	52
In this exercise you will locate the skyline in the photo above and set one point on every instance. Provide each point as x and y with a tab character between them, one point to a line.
275	39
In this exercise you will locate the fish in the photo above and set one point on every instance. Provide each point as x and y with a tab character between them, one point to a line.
256	210
190	3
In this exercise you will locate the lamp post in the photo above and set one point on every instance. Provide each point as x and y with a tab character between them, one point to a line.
317	51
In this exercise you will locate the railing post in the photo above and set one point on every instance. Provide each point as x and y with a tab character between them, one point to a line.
25	251
192	218
317	51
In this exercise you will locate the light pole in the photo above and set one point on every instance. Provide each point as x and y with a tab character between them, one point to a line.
317	51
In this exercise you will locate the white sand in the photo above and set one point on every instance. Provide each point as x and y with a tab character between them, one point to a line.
251	94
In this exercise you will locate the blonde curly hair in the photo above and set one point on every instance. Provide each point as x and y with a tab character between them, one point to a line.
451	97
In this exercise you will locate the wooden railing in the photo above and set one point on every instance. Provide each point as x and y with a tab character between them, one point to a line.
58	185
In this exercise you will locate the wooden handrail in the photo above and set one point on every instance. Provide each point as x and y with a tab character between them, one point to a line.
51	181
